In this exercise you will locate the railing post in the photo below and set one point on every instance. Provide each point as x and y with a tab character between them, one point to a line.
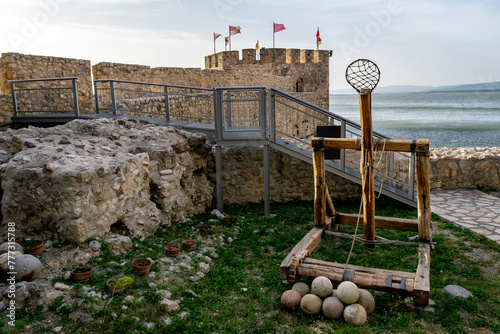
262	113
167	103
96	92
75	97
219	178
228	101
113	97
272	115
14	99
218	111
391	168
342	152
411	173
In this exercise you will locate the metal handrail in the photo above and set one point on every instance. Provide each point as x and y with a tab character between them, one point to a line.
327	117
73	88
152	84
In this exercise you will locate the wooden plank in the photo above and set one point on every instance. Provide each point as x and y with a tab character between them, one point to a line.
368	270
367	175
424	197
382	222
319	187
376	280
308	243
388	145
422	285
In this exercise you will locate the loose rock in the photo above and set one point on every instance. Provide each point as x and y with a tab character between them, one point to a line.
27	267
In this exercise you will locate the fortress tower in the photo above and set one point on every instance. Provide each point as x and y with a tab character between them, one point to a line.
305	73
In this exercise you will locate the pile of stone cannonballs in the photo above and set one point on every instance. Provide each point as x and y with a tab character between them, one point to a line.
347	300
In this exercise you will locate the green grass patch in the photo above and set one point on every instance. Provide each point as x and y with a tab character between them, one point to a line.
241	293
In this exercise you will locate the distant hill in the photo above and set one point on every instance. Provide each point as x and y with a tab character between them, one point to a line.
488	86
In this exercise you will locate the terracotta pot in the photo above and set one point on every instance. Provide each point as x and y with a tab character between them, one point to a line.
115	289
205	229
227	221
189	244
171	250
81	274
37	250
141	266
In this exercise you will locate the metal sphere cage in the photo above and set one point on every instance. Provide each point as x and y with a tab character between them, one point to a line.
362	74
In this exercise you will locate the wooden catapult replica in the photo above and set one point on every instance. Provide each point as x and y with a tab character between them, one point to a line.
364	75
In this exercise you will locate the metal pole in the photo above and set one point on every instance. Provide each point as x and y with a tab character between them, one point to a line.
96	92
14	99
273	34
167	103
267	182
272	116
262	113
228	103
75	97
342	152
411	172
218	106
218	178
113	97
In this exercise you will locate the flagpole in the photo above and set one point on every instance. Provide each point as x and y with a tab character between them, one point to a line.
214	44
274	33
229	38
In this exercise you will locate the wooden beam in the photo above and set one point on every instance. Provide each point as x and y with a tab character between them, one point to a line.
319	187
382	222
367	175
369	278
422	286
424	197
388	145
305	246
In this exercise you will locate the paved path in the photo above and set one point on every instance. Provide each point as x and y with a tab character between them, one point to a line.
471	209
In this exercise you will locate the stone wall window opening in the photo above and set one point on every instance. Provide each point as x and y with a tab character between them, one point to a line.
300	85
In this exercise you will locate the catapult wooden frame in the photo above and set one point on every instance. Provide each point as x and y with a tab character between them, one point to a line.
298	265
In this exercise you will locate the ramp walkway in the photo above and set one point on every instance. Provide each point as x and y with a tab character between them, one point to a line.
231	115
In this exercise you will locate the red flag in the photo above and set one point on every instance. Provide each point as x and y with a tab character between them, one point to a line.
318	39
279	27
227	40
234	30
216	36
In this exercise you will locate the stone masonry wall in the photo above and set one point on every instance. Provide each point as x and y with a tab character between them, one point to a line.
6	108
16	66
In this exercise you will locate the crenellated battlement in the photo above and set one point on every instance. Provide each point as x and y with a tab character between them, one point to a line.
225	60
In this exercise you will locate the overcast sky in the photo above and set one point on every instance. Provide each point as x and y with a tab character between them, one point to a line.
414	42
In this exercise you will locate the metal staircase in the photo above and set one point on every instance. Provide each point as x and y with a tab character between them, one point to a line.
233	115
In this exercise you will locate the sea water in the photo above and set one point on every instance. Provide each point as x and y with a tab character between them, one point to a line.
447	119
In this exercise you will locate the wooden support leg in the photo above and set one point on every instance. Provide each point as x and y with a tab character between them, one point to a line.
424	197
422	286
319	187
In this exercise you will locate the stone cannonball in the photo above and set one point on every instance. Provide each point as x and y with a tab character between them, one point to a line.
301	288
321	287
355	315
311	304
332	308
348	292
27	267
291	299
366	300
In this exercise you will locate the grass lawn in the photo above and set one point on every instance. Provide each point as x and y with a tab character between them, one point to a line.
241	293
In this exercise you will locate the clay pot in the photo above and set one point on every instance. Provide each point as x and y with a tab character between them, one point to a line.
81	274
205	229
141	266
115	289
37	250
189	245
227	221
172	250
